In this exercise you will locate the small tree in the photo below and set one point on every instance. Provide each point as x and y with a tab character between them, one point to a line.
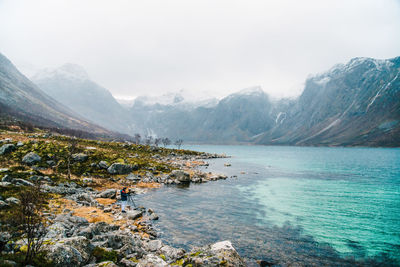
137	138
178	143
157	141
166	141
29	220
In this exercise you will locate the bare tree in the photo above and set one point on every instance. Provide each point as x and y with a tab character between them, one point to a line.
137	138
148	140
178	143
30	221
166	141
157	141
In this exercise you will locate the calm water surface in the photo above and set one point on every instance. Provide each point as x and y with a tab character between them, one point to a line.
313	206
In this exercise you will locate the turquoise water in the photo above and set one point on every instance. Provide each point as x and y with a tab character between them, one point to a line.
292	205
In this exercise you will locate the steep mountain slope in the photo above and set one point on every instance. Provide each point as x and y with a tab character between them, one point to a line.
22	100
236	118
71	86
353	104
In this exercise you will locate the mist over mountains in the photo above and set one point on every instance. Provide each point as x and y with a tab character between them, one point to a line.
357	103
22	99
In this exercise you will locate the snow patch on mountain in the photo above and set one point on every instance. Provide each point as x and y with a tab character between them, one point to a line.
67	71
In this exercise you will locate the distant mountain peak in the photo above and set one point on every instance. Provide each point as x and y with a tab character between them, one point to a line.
68	71
251	91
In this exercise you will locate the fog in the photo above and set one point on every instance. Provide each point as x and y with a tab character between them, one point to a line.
150	47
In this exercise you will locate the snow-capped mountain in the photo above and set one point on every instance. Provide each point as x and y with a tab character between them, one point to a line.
181	98
357	103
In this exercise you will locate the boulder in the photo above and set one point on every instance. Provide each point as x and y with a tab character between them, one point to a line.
7	178
31	158
39	178
154	245
4	170
62	255
153	216
4	184
180	175
51	163
22	182
119	168
56	230
132	177
12	200
116	240
103	164
79	157
172	254
134	214
20	143
7	148
81	244
109	193
151	260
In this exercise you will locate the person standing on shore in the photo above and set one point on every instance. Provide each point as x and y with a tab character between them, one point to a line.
124	199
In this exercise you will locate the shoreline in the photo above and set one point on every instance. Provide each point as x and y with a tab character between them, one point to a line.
86	225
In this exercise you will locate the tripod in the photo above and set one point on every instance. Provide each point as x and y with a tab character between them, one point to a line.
130	200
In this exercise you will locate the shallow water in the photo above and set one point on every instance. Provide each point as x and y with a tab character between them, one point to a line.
323	206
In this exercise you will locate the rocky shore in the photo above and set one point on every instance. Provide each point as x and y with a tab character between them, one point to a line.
85	223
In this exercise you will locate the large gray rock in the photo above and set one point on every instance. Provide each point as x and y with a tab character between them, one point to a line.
172	254
62	255
103	164
119	168
80	243
180	175
31	158
80	157
151	260
132	177
109	193
12	200
134	214
7	148
7	178
22	182
154	245
116	240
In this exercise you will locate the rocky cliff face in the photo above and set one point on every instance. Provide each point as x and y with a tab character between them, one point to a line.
353	104
21	99
236	118
71	86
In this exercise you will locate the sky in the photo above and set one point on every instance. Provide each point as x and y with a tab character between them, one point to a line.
213	47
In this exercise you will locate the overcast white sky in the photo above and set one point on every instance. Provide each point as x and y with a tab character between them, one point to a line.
219	46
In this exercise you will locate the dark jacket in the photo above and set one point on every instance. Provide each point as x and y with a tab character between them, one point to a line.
124	195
